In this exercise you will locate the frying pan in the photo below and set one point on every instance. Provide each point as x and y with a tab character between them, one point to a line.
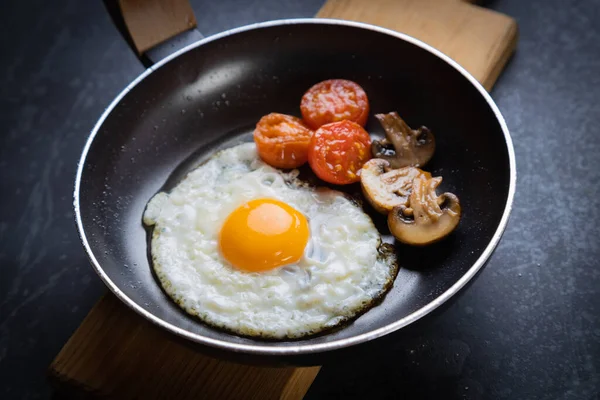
209	96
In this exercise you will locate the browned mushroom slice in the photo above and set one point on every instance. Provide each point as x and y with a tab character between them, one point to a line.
403	147
428	218
386	188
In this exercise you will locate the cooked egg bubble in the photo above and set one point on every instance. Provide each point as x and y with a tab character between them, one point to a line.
254	250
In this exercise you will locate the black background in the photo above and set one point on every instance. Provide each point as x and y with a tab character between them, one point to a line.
528	328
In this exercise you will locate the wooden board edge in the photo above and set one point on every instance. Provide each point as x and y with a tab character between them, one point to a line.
511	37
299	383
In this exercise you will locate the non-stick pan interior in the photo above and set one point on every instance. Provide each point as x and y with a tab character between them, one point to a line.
213	95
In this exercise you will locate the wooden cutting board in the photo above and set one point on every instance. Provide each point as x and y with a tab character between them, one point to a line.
117	354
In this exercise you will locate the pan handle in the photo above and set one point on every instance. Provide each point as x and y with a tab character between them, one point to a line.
154	29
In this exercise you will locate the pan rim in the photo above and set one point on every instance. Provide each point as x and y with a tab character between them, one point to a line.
301	349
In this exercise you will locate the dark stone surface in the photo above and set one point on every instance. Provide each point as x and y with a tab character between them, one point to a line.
528	328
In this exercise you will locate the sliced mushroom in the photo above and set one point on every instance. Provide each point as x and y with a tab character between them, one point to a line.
428	218
403	147
386	188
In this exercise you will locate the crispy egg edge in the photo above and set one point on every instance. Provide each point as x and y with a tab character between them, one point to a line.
385	254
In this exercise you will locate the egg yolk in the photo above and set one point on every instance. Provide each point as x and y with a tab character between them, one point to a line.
263	234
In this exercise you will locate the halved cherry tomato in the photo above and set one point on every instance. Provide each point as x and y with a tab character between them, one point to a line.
282	140
338	151
334	100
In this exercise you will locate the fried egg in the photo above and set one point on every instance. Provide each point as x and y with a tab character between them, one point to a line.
256	251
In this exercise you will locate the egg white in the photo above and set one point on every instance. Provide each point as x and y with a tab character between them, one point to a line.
342	272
